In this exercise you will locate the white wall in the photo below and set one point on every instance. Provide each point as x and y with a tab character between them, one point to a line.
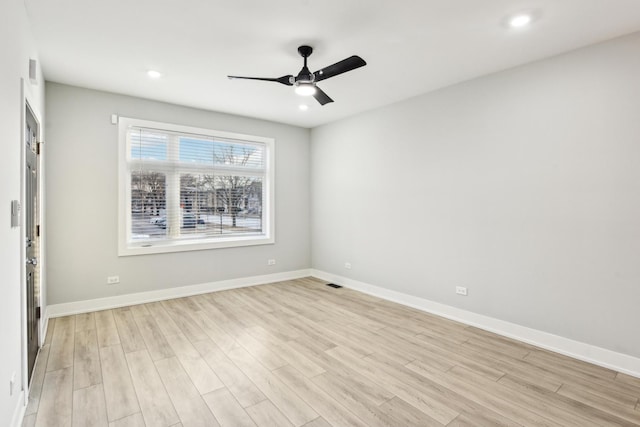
16	47
82	193
523	186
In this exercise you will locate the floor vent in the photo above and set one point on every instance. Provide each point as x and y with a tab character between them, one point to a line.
333	285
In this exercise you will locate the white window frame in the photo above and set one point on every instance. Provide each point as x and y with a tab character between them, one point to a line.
126	247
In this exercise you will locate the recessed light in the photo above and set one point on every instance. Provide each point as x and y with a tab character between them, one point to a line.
303	107
153	74
520	21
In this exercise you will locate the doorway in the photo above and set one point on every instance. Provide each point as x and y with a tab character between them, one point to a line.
32	236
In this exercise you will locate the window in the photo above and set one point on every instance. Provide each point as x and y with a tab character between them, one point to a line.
184	188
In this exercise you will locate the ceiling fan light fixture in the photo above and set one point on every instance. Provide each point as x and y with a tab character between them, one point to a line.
305	89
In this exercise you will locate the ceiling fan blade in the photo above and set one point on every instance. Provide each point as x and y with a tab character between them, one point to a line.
321	97
285	80
343	66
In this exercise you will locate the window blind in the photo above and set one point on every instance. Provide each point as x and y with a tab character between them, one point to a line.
185	186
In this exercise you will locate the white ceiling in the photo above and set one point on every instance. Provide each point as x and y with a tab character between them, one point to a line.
411	47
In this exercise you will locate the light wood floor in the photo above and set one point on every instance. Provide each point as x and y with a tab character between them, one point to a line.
303	354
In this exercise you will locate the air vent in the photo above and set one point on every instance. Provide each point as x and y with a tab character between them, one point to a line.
333	285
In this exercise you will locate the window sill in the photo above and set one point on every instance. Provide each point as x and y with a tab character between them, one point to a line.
162	247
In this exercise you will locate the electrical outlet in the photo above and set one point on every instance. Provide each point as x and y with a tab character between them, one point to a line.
112	280
347	265
271	262
461	290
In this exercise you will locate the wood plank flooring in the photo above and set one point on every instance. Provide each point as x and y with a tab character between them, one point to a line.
299	353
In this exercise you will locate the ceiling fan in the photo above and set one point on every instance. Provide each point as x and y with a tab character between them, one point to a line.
305	81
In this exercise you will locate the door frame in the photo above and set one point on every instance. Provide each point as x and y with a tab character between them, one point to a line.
28	100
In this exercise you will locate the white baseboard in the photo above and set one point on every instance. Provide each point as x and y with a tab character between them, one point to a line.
76	307
589	353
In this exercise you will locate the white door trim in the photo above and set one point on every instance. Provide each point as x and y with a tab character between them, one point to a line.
27	100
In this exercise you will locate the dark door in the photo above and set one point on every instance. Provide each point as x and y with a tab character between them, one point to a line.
31	227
